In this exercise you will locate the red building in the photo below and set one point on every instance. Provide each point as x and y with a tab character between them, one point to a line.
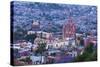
69	29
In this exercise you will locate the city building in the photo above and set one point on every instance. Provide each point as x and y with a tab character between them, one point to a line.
69	29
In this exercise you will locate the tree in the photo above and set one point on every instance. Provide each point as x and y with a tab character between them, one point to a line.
30	37
41	49
18	34
89	54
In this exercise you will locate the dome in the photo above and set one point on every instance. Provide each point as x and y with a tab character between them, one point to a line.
36	26
36	23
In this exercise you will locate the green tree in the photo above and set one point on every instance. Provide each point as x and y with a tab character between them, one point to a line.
89	54
30	37
41	49
18	34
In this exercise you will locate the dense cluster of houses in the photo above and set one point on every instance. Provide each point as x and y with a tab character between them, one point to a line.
69	41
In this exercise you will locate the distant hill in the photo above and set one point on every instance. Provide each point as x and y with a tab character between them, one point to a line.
23	14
